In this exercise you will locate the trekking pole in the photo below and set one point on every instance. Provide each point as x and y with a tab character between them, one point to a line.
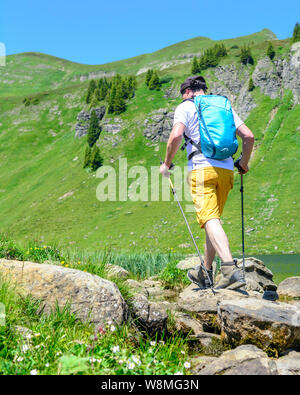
243	228
190	231
237	165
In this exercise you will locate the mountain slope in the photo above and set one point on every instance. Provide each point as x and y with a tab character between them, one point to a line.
45	192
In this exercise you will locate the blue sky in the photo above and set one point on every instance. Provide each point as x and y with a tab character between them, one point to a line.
97	32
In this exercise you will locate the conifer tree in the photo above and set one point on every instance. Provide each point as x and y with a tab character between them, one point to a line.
87	157
246	55
154	83
251	85
91	88
96	158
296	33
195	66
148	76
111	99
93	130
119	105
270	51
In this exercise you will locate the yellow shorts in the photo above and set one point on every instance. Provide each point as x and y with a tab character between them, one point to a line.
210	187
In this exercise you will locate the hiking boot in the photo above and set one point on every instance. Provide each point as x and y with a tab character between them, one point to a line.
199	277
232	276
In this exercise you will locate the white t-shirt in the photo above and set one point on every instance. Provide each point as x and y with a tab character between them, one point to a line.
186	113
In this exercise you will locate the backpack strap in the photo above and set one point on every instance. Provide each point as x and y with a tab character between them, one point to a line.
188	140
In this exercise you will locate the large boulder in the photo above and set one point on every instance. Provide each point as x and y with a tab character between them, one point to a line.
205	303
290	287
258	276
195	300
244	360
150	317
90	297
270	325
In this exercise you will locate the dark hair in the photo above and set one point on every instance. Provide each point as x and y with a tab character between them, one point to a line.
194	83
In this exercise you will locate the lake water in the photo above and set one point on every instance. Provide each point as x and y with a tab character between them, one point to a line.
282	266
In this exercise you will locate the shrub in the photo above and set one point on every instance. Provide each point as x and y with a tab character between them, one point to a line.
270	51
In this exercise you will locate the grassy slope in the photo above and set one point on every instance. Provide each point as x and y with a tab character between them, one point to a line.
37	168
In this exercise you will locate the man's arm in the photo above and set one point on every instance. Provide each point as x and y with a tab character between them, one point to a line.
248	142
173	145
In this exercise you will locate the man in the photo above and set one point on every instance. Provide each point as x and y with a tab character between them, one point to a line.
211	192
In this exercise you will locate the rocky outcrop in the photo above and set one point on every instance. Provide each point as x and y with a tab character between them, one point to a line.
90	297
158	125
282	73
83	120
233	82
267	77
244	360
269	324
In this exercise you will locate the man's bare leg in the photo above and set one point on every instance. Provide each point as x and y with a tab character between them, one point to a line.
218	240
210	253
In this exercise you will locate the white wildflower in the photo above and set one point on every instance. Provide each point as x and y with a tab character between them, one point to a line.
20	359
152	343
112	328
24	348
33	372
130	365
136	360
182	352
187	365
47	365
116	349
178	374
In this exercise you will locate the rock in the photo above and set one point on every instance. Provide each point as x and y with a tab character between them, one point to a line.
290	287
266	77
195	300
188	325
188	263
91	298
116	271
199	363
149	316
151	283
205	304
258	276
83	118
206	339
233	82
159	125
244	360
173	92
267	324
112	126
289	364
136	287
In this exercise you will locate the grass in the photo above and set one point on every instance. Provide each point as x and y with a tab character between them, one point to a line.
42	161
60	344
32	343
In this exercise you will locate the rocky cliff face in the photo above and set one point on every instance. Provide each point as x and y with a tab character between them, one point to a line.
272	77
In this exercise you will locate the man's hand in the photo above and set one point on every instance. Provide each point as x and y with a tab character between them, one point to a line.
244	166
241	165
164	170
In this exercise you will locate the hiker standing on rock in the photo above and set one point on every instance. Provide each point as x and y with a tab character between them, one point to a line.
210	147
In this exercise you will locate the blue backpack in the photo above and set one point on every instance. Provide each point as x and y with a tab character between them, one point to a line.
217	128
